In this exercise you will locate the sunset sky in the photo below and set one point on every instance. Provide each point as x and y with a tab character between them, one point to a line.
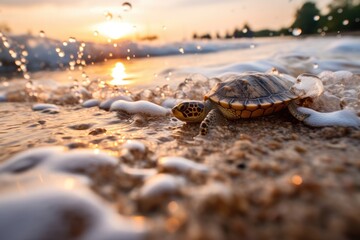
170	20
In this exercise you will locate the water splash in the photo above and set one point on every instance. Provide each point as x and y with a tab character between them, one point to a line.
108	15
42	34
126	6
296	32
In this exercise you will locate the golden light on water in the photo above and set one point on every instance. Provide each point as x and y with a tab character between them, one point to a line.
114	29
119	74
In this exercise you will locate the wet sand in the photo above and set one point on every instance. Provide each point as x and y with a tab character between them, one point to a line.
269	178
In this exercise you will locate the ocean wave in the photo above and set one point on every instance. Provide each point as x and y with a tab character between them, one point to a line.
44	53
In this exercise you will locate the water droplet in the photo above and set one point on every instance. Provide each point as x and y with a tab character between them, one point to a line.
357	19
315	66
316	18
297	180
61	54
72	39
330	18
245	30
345	22
164	28
65	44
12	53
252	45
340	10
96	33
24	53
108	15
181	50
42	33
6	44
57	50
296	32
126	6
26	76
198	47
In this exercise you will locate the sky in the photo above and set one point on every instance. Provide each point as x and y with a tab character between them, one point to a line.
170	20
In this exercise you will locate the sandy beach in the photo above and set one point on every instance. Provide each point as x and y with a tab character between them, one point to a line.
121	175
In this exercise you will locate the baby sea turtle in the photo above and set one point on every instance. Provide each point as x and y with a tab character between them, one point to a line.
251	95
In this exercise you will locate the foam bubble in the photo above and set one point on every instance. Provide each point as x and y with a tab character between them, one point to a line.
180	164
91	103
161	184
141	107
106	104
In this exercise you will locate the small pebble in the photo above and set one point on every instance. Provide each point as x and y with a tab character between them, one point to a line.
44	106
81	126
42	122
97	131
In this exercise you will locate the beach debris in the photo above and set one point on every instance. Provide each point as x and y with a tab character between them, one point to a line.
140	107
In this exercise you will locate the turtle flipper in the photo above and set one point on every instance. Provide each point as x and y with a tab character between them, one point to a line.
293	109
343	118
213	118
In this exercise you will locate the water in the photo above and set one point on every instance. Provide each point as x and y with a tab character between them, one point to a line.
152	171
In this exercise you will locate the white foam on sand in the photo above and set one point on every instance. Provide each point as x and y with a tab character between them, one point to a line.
45	191
140	107
64	211
343	118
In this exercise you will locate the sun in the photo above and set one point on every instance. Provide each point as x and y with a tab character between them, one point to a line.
114	29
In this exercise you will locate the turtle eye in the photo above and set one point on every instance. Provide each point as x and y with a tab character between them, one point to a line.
183	107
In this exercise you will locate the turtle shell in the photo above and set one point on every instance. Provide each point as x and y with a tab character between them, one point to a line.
251	95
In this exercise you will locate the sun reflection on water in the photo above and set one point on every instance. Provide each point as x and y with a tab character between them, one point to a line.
119	74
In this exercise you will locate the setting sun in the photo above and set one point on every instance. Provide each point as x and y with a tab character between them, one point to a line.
114	29
119	75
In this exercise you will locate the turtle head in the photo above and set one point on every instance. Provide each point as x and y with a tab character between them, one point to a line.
190	111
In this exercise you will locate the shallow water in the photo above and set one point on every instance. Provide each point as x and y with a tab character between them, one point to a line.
133	155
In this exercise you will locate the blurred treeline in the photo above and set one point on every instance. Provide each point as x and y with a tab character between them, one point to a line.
342	16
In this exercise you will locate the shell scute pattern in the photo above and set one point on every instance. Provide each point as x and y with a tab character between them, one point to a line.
251	95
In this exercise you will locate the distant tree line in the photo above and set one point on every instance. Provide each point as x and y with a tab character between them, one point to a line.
343	16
